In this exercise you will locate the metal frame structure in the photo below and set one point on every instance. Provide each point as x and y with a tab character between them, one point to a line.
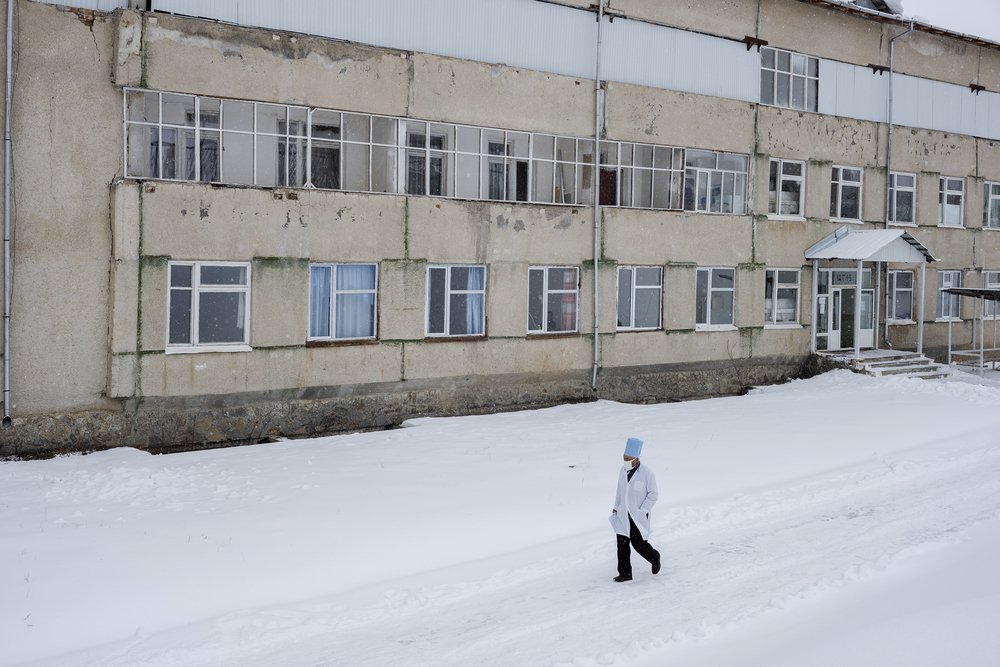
974	356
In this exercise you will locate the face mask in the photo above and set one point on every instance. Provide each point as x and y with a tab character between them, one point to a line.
628	465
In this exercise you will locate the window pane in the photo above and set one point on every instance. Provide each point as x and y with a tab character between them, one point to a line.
383	169
468	176
536	298
143	151
788	277
562	279
319	301
624	297
722	307
178	109
326	124
223	275
647	308
237	116
904	305
237	158
850	205
701	297
221	317
722	279
769	297
355	276
542	189
543	146
436	300
356	167
325	165
766	87
383	131
357	127
791	197
271	118
180	316
466	316
561	311
355	315
269	162
647	277
143	106
904	207
787	310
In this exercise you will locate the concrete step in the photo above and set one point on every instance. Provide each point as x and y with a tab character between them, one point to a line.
906	370
909	361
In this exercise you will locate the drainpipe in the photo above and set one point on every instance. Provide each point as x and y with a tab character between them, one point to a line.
597	194
6	218
888	161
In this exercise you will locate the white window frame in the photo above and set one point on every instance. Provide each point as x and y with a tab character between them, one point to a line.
946	189
776	285
707	175
707	326
196	291
335	293
947	278
991	196
547	291
991	280
892	295
894	190
810	96
774	207
837	181
633	290
449	292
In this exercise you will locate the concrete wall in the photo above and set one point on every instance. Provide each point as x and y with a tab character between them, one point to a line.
91	366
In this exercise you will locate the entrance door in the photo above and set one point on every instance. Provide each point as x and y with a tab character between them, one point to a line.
835	311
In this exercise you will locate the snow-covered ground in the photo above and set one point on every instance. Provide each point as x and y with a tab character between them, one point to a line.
842	520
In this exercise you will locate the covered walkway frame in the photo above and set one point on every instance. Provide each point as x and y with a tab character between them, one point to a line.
976	355
860	246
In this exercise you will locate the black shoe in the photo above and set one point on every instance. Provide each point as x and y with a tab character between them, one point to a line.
656	565
621	577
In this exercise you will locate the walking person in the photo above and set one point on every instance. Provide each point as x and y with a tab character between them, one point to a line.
634	498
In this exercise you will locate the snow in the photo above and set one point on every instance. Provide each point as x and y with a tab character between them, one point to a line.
838	520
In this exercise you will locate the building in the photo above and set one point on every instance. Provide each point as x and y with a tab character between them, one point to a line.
235	220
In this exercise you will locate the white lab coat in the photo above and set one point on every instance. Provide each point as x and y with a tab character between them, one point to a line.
634	498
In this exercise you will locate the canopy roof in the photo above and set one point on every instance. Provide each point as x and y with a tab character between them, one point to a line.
871	245
975	292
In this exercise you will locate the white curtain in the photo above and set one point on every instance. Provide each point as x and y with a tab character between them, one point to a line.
355	301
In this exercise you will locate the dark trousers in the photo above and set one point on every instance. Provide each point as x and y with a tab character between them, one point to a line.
642	547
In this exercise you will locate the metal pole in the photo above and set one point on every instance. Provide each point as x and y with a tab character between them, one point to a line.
875	304
920	309
857	313
597	195
815	307
6	217
982	335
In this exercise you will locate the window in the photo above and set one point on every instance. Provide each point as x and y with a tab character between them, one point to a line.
208	304
951	204
640	290
845	193
789	80
342	301
553	293
991	208
902	198
781	296
456	296
899	293
991	280
714	295
948	304
786	187
715	182
649	176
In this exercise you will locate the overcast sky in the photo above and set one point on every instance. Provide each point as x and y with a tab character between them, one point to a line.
974	17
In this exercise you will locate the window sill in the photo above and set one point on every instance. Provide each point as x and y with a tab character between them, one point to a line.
203	349
638	330
902	224
991	229
340	342
948	319
715	327
790	325
545	335
786	218
851	221
454	339
900	322
941	226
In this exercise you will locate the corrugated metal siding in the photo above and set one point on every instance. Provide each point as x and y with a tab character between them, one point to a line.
852	91
520	33
99	5
935	105
661	57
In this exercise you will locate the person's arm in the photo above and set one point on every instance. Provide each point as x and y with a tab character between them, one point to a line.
652	494
618	495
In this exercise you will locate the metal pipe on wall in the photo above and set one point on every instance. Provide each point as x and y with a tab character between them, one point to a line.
6	216
597	196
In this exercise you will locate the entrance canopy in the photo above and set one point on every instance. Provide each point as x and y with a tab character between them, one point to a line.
871	245
975	292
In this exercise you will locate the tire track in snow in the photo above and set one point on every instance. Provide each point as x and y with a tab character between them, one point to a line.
724	563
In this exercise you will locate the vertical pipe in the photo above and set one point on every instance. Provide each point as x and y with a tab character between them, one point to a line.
6	216
597	195
875	303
